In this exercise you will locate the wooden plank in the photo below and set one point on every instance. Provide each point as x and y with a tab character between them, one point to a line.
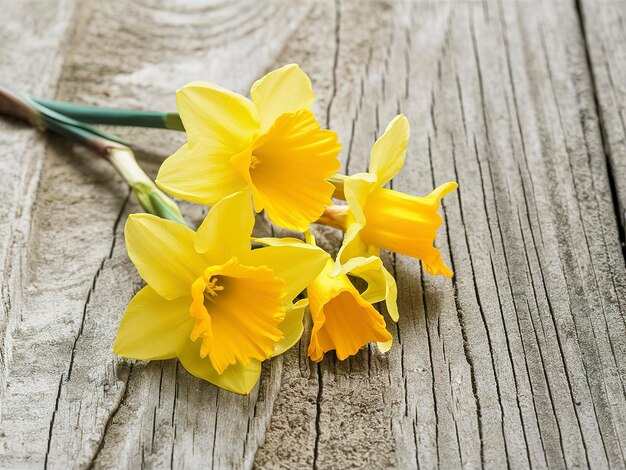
32	37
603	26
68	402
518	361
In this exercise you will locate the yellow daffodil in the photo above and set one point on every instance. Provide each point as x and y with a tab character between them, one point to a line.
271	144
211	301
344	320
377	217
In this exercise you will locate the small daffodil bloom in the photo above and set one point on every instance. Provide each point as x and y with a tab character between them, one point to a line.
271	144
344	319
377	217
211	301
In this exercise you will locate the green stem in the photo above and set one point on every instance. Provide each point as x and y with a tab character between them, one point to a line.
109	146
115	117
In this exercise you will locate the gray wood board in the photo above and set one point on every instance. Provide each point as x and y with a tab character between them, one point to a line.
518	361
604	29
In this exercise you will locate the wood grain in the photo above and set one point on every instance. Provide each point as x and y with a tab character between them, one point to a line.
517	362
603	28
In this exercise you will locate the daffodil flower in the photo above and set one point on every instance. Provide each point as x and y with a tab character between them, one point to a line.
211	301
344	320
271	144
377	217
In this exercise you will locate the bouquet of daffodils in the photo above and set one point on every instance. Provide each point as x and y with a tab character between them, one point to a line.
211	300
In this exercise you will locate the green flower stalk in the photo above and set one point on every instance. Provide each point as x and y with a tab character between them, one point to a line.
109	146
152	199
114	117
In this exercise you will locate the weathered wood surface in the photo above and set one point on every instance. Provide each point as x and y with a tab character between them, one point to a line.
604	28
518	361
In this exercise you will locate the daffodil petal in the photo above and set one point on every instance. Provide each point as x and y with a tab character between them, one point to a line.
236	378
285	90
200	173
353	246
380	283
153	327
291	326
163	253
297	264
219	125
391	296
226	230
357	189
272	241
388	152
290	166
210	113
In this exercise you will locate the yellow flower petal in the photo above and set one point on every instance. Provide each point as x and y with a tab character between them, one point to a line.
298	264
236	378
163	253
200	173
285	90
342	320
219	125
380	283
353	246
226	230
153	327
387	156
286	241
224	119
237	318
357	189
291	326
288	168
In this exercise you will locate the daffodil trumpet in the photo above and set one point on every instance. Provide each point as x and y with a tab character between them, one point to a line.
211	301
343	319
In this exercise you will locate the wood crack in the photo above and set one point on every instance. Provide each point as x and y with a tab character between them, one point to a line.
90	465
619	216
95	281
318	415
335	60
